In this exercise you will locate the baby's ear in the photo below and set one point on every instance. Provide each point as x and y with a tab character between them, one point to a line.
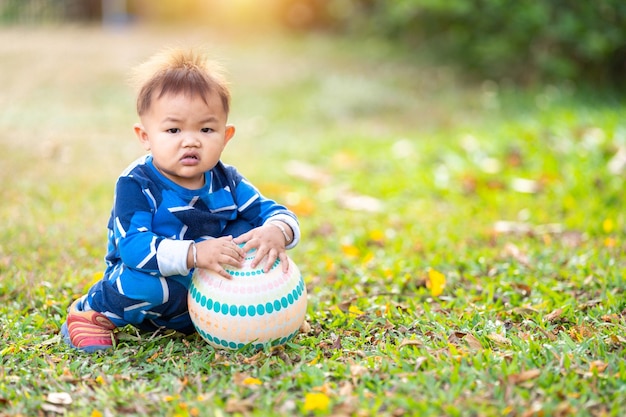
142	135
229	132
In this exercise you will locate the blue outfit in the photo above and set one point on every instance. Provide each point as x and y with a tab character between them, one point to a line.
153	222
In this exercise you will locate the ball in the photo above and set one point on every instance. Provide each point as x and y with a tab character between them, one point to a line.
252	308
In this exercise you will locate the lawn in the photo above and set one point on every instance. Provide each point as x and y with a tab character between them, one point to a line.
463	245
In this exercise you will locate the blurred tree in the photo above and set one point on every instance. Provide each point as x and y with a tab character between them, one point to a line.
524	41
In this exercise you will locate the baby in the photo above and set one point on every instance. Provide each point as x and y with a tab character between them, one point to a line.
177	208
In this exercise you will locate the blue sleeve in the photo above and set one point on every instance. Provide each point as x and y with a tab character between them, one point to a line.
132	226
253	206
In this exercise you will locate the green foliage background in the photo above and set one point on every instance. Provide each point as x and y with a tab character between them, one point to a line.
522	41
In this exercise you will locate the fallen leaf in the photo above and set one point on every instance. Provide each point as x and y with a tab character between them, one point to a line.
524	376
357	202
473	342
617	164
346	389
554	315
235	405
336	344
524	289
503	226
597	366
325	388
456	336
525	310
514	252
610	318
325	230
524	185
470	339
307	172
253	360
410	342
59	398
300	204
587	305
357	371
581	332
499	339
52	408
549	335
305	327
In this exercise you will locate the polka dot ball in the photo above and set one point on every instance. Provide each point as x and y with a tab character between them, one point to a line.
252	308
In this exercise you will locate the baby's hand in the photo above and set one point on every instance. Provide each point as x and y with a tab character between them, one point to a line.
213	253
268	240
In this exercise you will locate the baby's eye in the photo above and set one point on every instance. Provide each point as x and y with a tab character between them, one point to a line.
206	130
173	130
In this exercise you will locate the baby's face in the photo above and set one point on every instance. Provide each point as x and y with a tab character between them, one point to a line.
185	135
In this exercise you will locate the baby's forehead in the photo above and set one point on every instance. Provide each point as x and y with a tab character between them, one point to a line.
209	98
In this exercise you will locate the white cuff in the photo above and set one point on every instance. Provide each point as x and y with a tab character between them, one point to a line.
293	223
172	257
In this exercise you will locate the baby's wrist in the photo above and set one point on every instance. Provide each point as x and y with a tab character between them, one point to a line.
284	228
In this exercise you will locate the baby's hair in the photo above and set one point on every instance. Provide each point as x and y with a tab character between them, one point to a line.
177	70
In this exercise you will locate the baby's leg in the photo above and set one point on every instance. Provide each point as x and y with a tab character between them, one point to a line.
144	301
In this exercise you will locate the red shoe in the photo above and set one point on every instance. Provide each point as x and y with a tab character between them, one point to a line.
88	331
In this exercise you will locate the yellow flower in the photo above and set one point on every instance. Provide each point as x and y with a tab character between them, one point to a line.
436	282
354	310
251	381
377	235
316	401
350	251
94	279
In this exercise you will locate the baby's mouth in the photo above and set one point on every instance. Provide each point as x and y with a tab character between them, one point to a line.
190	158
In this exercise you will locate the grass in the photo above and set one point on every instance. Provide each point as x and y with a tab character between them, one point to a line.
510	195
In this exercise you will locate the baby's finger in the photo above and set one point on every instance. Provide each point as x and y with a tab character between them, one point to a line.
271	258
225	239
222	272
284	260
232	259
258	257
250	244
242	238
239	250
233	250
